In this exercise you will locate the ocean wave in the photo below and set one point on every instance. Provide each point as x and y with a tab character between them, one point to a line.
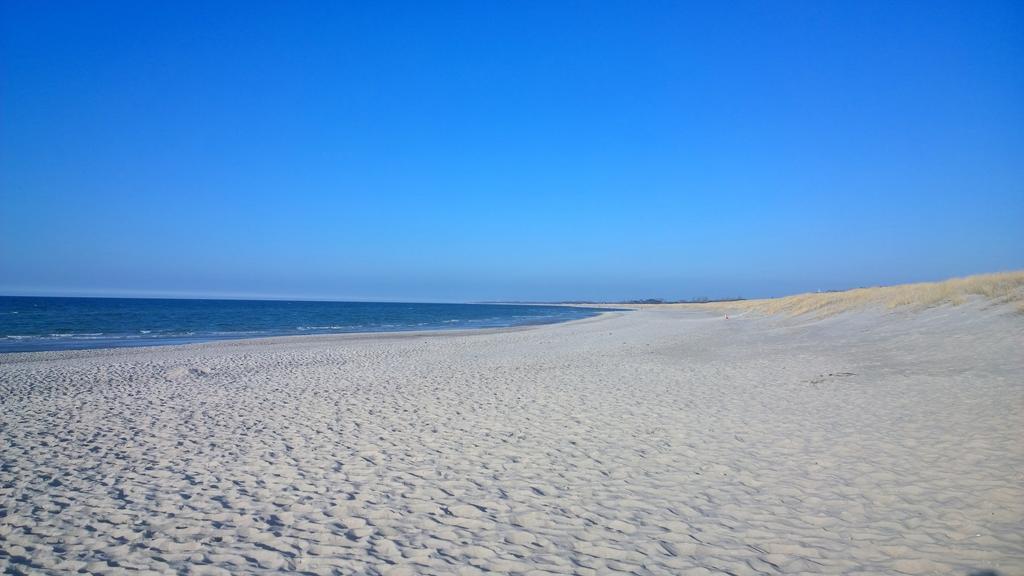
143	322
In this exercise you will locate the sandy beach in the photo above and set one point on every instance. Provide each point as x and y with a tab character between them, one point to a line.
654	441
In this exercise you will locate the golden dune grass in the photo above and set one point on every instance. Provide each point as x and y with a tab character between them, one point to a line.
999	288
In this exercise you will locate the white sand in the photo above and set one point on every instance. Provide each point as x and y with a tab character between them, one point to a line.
649	442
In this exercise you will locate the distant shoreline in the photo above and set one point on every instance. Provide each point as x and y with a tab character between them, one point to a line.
999	288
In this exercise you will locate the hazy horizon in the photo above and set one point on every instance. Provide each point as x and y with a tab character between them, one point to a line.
467	152
328	298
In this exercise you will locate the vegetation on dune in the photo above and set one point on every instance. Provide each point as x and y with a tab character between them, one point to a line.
998	288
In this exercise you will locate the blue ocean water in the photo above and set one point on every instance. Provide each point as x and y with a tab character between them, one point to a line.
32	324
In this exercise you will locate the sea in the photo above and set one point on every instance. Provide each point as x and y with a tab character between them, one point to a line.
30	324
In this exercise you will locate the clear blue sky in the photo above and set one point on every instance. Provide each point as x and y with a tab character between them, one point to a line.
507	150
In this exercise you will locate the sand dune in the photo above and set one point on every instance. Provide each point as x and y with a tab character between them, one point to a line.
660	441
998	289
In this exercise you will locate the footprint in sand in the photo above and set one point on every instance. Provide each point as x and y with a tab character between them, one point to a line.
182	372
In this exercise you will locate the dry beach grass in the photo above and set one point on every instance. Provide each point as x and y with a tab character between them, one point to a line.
998	288
662	441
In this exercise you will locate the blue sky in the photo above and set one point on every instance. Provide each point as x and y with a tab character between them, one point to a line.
507	150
